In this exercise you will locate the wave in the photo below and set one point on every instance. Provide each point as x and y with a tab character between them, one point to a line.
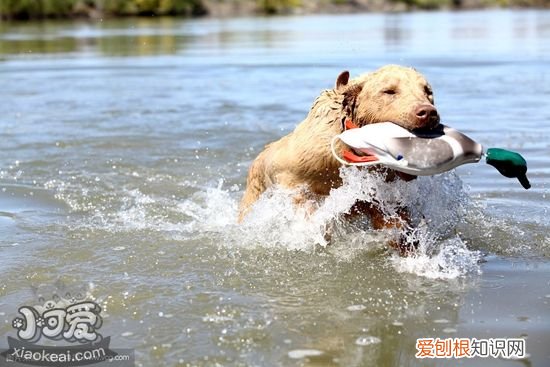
437	205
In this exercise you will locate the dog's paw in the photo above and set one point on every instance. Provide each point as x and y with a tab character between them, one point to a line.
405	245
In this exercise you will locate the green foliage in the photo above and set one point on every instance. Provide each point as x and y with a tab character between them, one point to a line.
153	7
277	6
117	7
29	9
186	7
54	8
26	9
438	4
425	4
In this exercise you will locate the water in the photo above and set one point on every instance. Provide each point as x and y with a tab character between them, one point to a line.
125	146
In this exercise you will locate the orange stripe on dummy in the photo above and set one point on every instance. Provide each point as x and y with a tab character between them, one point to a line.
352	157
350	125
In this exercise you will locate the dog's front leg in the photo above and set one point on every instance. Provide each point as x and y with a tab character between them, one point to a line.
378	220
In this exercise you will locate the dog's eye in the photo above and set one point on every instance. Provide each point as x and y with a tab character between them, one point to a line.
428	90
389	91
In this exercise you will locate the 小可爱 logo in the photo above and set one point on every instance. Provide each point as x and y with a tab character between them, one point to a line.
70	319
72	325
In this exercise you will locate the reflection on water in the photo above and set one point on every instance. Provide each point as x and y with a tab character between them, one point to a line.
394	30
142	37
167	35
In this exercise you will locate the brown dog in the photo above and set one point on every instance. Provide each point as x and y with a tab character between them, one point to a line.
303	158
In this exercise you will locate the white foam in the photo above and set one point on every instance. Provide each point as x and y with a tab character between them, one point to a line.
356	308
304	353
446	259
367	340
437	204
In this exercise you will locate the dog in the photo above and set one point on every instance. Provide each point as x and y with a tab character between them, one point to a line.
303	158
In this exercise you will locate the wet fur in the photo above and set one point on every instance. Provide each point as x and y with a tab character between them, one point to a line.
303	158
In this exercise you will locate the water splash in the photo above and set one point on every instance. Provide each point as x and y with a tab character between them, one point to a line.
437	204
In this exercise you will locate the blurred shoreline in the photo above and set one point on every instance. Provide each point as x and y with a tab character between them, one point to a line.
98	9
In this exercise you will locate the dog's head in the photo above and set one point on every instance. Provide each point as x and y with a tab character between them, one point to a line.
392	93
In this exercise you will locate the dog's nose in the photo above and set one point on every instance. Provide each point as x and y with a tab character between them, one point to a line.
426	115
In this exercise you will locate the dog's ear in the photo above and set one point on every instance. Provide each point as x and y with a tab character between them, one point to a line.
350	95
342	80
351	92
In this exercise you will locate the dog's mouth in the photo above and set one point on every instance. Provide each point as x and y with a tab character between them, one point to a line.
428	131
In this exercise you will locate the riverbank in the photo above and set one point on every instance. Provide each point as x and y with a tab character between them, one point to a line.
22	10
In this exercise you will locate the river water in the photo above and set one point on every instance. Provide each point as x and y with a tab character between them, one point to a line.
125	147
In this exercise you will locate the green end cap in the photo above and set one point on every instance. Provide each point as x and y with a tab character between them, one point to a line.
509	164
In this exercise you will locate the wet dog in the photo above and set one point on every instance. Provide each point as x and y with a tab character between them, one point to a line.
303	159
